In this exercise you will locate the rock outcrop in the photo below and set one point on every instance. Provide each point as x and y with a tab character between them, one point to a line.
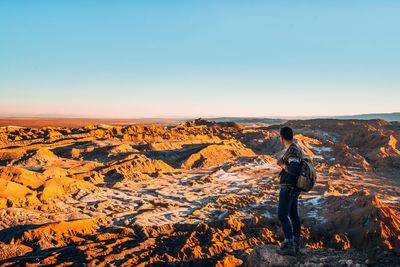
267	255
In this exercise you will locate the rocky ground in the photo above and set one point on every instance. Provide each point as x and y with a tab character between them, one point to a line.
199	193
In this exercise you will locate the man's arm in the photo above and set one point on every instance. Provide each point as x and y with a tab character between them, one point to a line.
291	171
294	166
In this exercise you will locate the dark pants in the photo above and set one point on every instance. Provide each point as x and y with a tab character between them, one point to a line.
287	208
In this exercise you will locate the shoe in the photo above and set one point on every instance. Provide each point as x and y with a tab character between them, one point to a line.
287	248
296	244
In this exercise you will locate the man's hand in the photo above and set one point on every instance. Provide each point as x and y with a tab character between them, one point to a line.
281	164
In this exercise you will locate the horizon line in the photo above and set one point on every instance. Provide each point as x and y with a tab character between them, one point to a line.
70	116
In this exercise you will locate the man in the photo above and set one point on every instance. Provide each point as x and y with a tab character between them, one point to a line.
288	194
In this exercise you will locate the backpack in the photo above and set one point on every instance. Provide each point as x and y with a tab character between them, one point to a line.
308	175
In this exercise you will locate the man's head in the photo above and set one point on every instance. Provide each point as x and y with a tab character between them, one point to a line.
286	136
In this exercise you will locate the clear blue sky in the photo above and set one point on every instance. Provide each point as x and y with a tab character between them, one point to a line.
199	58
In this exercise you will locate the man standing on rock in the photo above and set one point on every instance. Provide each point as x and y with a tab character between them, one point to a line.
288	194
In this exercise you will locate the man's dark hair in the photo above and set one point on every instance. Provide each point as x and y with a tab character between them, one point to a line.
286	133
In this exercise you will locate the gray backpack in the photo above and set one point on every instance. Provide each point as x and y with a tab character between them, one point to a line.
308	175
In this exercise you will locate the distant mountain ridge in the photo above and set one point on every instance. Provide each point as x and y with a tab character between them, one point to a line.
395	116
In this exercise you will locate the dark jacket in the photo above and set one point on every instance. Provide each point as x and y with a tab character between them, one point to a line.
291	159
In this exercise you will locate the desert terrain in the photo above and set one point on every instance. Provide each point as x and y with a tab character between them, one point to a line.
193	193
39	122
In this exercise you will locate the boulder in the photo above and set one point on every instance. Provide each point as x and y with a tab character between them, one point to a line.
267	255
